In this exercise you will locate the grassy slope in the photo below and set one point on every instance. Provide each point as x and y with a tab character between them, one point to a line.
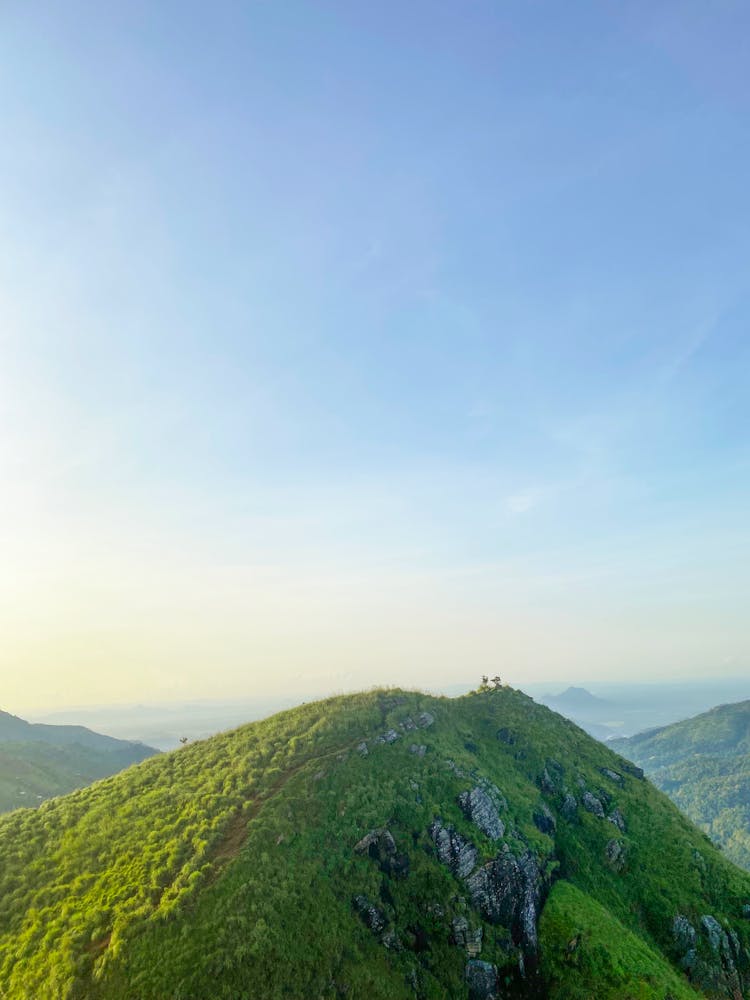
704	766
31	772
226	869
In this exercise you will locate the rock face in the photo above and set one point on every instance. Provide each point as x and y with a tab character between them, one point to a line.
593	804
459	854
508	890
425	719
612	775
481	978
569	808
481	807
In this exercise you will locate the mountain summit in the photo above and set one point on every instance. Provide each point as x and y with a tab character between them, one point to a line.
383	845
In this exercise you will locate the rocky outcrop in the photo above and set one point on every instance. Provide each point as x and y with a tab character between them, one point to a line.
569	807
481	807
615	854
369	914
593	804
508	891
362	749
617	819
381	847
612	775
544	820
425	720
481	978
389	736
418	748
465	936
459	854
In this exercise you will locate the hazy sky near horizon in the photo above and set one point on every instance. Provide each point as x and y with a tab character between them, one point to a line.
345	343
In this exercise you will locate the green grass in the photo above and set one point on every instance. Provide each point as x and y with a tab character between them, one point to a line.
226	868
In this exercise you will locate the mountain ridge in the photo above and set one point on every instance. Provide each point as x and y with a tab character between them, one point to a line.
389	844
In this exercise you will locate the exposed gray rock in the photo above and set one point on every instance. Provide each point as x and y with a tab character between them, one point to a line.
569	808
617	818
389	736
479	807
546	783
615	854
746	911
481	978
425	719
370	915
544	820
632	769
418	748
466	936
459	854
408	724
453	766
508	891
381	847
362	748
714	932
593	804
612	775
683	933
391	940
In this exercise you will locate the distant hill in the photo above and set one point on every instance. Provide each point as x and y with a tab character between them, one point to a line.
38	761
383	846
576	699
703	764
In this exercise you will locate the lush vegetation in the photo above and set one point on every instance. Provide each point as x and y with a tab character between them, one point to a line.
228	869
32	772
703	764
39	761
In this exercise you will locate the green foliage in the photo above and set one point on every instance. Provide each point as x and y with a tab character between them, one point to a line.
227	869
589	953
703	764
33	771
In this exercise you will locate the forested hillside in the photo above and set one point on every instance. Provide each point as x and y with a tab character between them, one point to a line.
703	764
384	845
38	762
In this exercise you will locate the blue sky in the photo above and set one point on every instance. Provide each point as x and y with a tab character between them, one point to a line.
347	342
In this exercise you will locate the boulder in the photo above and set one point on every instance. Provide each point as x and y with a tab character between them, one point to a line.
615	854
418	748
593	804
569	807
612	775
425	719
362	748
481	978
381	847
389	736
617	819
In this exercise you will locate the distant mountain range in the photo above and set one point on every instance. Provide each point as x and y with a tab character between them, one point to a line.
703	764
40	761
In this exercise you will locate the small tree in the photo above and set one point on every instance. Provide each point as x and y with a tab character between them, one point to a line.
485	685
183	740
496	683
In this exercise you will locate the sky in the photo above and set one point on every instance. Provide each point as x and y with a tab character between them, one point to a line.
349	343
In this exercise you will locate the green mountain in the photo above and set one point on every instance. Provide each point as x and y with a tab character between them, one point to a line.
703	764
382	845
38	762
